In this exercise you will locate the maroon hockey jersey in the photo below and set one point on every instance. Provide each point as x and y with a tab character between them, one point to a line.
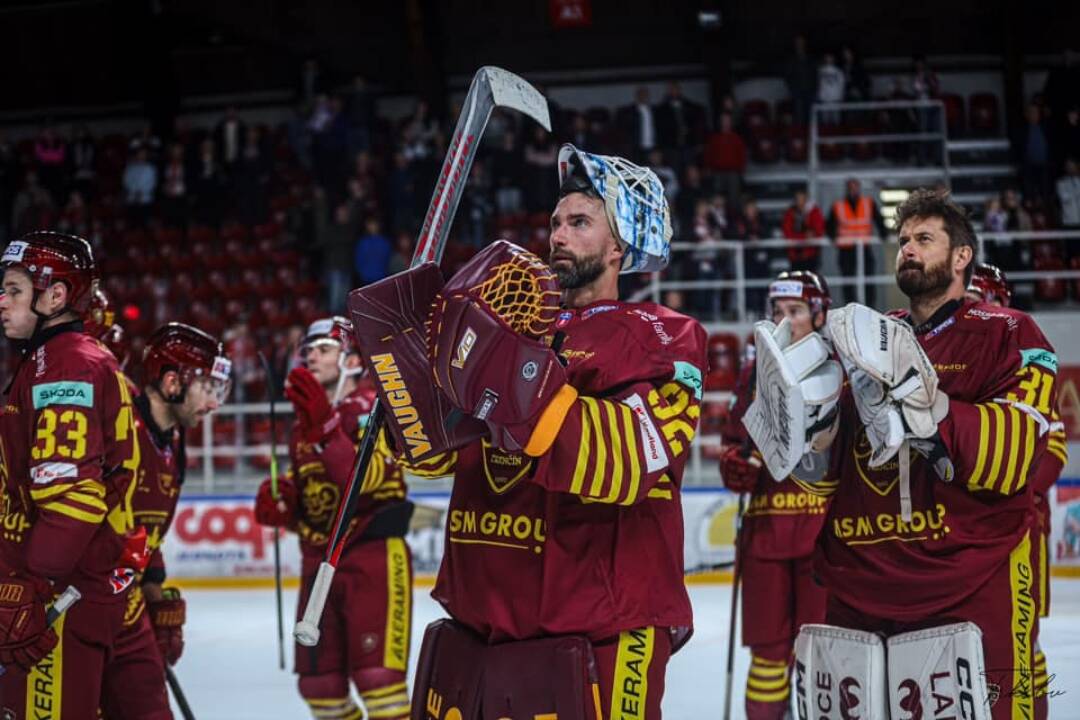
588	538
782	519
67	459
972	507
322	472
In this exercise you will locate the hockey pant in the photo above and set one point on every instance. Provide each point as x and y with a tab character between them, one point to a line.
778	597
461	676
365	634
1006	611
133	687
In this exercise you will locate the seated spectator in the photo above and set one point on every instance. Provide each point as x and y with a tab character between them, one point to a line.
803	219
1068	192
725	159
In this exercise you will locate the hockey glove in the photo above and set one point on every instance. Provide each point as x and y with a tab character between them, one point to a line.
314	414
280	512
168	616
738	471
136	553
25	637
514	384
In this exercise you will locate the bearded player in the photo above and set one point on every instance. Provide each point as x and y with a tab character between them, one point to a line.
187	378
367	623
67	459
989	284
781	523
563	568
929	533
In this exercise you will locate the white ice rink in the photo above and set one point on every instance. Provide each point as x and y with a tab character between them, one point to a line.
229	668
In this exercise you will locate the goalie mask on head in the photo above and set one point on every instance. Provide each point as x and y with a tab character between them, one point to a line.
634	204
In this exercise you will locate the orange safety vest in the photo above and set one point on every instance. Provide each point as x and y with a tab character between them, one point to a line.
851	225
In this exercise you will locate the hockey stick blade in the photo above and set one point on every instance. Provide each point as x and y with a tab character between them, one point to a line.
491	87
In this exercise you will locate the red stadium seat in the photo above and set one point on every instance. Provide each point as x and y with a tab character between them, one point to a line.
954	113
797	151
983	114
755	114
864	151
1050	290
764	148
785	113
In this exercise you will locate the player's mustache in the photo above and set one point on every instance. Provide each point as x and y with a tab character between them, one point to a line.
560	256
911	265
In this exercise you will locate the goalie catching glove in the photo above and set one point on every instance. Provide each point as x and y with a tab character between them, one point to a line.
893	383
795	409
485	352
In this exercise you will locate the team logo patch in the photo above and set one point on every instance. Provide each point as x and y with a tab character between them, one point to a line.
564	319
63	393
465	346
121	580
503	470
689	376
47	472
529	371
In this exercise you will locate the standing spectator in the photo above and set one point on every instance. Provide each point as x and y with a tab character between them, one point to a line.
174	188
372	259
148	140
801	78
925	86
329	144
140	183
725	159
83	162
691	192
1034	156
856	81
680	126
802	220
401	193
403	252
50	156
310	84
638	124
749	227
477	208
8	182
1004	252
1062	91
251	178
580	133
666	173
1066	142
338	249
33	208
854	219
508	169
229	137
75	217
995	218
419	133
1068	192
359	115
830	88
541	156
207	185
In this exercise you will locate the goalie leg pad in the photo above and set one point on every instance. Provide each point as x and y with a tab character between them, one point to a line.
839	674
389	325
938	672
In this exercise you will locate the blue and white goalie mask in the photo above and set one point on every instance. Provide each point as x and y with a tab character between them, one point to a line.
634	203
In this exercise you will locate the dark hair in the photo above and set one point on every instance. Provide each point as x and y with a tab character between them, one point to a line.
927	203
576	182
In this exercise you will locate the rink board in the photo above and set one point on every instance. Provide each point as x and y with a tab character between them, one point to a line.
216	541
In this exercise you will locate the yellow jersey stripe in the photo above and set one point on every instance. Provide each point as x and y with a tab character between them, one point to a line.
387	690
994	476
616	454
600	469
1016	427
777	696
629	423
578	482
759	684
94	518
975	481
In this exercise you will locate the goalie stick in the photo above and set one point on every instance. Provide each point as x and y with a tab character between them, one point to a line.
491	87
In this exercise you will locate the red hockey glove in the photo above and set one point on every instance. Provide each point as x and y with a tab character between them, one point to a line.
280	512
25	637
168	616
136	554
313	411
514	384
738	472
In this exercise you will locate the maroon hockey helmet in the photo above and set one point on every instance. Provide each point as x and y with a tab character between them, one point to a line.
192	354
990	284
51	257
116	340
335	330
804	285
101	317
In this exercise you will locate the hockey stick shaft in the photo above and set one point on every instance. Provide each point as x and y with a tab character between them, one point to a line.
734	610
271	386
178	694
69	597
490	88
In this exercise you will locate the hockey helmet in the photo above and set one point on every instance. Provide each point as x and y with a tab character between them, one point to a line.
101	317
192	354
804	285
51	257
116	340
334	330
634	204
990	284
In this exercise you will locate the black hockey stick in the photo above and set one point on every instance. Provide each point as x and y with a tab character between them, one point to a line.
271	386
178	693
69	597
734	609
491	87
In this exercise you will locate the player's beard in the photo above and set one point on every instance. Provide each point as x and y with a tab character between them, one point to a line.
916	280
582	270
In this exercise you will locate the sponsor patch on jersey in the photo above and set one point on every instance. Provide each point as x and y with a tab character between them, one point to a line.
655	456
64	392
1039	356
48	472
597	310
14	252
688	375
564	319
942	327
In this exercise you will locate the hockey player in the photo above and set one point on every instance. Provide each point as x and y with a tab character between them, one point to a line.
990	285
67	459
931	548
100	323
563	567
187	378
367	624
781	524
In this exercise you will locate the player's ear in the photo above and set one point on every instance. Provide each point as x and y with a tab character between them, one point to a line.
962	257
170	383
352	360
54	298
